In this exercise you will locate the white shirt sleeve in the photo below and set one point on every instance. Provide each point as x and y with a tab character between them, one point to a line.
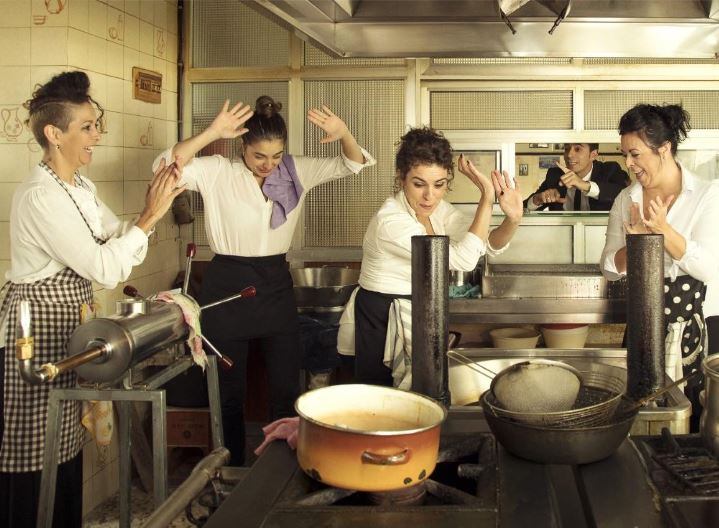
314	171
701	258
615	236
198	172
57	227
465	248
593	191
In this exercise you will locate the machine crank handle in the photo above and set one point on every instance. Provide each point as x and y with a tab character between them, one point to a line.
190	253
131	291
225	362
250	291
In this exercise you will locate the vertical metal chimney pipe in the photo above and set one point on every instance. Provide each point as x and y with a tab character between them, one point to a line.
645	314
430	309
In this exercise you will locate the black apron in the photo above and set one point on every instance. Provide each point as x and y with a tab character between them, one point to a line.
273	310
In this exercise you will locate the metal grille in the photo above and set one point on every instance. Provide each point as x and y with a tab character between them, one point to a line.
207	99
228	33
503	60
646	60
338	212
603	108
502	110
316	57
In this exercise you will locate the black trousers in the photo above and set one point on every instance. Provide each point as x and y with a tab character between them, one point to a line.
20	492
371	317
283	368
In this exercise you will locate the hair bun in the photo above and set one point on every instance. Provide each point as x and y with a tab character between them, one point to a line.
267	107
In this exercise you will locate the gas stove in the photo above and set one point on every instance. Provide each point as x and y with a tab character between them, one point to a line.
685	476
476	483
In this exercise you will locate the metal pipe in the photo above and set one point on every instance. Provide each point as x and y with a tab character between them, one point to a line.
250	291
191	248
203	472
645	314
53	370
430	309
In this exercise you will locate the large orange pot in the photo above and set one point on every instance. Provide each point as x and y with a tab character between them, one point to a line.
368	438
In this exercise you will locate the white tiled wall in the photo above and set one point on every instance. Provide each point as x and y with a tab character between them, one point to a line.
105	38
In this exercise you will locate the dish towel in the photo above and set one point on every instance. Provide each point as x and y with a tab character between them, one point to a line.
283	187
398	344
346	333
191	312
97	417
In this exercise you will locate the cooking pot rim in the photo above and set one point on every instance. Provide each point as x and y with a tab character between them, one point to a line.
437	405
708	364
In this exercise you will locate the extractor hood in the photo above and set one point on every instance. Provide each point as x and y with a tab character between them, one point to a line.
503	28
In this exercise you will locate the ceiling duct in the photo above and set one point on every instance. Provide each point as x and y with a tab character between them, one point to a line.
686	29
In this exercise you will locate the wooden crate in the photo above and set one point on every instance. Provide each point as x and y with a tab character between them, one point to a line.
189	427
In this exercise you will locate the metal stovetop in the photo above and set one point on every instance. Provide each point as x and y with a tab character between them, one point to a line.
512	493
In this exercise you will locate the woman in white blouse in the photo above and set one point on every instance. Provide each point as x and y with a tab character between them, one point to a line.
62	237
424	170
668	199
252	206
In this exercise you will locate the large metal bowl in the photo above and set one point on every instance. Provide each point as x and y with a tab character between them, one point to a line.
330	286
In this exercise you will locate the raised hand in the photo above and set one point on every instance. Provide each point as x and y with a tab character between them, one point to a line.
570	179
482	182
658	209
636	224
161	191
510	198
332	125
228	122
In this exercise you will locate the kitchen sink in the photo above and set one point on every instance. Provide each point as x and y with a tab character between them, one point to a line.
466	385
583	281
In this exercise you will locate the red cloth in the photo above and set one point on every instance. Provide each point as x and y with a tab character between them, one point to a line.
282	429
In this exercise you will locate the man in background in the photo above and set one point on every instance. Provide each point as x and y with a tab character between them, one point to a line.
585	184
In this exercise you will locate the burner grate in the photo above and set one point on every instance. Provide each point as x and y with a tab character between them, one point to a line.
694	468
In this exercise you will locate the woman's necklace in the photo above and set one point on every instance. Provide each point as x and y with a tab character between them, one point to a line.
79	183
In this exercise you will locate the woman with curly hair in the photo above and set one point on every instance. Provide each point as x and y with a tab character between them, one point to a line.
62	238
424	170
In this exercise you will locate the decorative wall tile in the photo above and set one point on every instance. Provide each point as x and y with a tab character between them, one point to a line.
49	13
171	18
132	32
131	57
77	48
16	13
15	162
147	35
12	124
114	100
160	43
97	54
147	10
97	18
116	25
132	7
79	14
115	60
48	46
15	86
114	124
131	130
18	40
160	15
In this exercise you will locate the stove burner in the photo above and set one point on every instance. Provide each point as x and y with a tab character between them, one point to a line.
693	468
410	496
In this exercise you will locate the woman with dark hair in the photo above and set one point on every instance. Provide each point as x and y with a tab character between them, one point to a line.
251	207
668	199
62	237
424	170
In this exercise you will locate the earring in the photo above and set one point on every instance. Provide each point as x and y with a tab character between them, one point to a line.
57	147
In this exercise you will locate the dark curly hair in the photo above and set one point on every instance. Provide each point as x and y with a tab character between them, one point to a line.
657	124
266	123
53	102
422	146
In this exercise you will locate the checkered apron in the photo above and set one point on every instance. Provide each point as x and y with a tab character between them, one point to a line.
55	306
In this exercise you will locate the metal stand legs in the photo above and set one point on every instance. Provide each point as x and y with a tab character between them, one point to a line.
147	391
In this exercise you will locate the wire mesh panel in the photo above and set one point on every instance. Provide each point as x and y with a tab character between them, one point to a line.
502	110
646	60
604	108
228	33
337	212
207	100
502	60
316	57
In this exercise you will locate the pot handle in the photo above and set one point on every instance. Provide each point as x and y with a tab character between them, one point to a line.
386	460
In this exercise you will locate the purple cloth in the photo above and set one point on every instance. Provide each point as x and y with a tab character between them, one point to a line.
283	187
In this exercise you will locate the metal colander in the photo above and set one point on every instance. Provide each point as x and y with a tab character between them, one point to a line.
596	403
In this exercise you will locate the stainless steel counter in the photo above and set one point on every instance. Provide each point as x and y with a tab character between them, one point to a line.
537	310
